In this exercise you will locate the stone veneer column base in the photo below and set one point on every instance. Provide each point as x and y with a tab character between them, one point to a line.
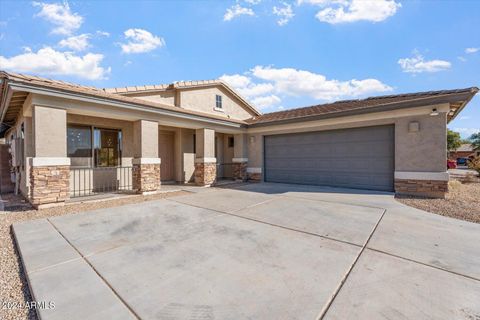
254	174
422	188
146	177
240	171
49	185
205	173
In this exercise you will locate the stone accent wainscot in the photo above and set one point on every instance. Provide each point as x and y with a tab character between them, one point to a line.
205	173
240	171
423	188
146	177
254	174
49	185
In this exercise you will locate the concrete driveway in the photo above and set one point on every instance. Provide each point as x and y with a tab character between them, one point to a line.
256	251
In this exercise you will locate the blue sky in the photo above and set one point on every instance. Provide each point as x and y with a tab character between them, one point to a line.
279	54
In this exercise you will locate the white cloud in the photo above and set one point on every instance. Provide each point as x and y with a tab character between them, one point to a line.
237	10
48	61
464	118
246	87
265	86
463	59
77	43
253	2
344	11
284	13
466	132
417	64
59	14
267	101
296	82
140	41
471	50
103	33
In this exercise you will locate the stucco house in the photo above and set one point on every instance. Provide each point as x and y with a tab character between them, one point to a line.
466	150
68	140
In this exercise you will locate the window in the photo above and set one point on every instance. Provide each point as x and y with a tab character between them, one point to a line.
88	146
231	142
218	101
79	146
107	144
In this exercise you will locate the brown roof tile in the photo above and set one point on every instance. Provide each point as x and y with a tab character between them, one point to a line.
350	105
92	91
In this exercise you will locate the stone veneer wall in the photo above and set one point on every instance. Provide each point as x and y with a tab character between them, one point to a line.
254	176
205	173
49	184
240	171
424	188
146	177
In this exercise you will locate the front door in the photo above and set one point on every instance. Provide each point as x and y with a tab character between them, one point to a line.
165	152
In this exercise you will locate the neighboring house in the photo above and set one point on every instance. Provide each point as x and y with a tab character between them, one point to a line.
466	150
69	140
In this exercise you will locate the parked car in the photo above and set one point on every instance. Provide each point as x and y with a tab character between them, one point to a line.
462	161
451	164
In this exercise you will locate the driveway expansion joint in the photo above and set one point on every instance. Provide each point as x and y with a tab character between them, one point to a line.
423	264
95	270
347	274
270	224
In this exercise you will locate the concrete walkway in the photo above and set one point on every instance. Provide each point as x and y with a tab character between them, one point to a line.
255	251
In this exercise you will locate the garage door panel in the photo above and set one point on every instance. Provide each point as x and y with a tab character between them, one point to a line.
355	158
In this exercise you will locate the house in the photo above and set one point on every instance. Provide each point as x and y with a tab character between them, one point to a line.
68	140
466	150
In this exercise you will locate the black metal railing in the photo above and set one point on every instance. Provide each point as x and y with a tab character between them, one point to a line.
224	170
91	181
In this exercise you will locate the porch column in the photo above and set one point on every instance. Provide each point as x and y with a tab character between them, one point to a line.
49	166
240	157
205	161
146	163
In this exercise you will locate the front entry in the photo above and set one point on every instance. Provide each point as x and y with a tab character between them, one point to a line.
166	152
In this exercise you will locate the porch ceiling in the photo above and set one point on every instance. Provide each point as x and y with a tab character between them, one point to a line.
14	108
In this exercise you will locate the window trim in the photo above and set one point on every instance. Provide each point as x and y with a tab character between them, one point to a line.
92	142
218	103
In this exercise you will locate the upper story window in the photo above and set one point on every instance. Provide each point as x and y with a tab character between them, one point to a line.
218	102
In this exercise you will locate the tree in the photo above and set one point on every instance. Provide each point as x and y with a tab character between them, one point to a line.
454	141
475	140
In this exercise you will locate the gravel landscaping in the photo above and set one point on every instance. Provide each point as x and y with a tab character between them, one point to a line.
462	202
13	284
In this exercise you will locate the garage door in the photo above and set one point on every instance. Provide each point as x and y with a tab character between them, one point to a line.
353	158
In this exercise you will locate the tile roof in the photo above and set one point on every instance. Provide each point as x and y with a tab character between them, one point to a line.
92	91
179	84
466	147
351	105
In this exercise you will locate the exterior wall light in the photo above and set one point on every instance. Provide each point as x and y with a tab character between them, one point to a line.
434	112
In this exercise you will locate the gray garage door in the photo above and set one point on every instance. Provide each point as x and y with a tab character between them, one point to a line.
354	158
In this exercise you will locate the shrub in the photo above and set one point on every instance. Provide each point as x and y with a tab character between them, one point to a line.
474	164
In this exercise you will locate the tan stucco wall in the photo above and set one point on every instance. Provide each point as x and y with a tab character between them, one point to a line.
125	126
145	137
204	100
205	143
49	132
422	151
167	97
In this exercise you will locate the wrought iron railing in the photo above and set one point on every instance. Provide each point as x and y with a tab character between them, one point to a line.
90	181
224	170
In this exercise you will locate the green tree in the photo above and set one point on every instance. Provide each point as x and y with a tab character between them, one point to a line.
454	141
475	140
